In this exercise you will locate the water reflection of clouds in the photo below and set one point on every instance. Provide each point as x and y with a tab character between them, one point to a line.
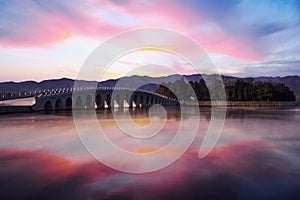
257	157
247	170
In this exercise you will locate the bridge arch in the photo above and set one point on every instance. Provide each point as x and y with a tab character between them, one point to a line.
135	101
58	104
119	100
78	102
147	101
99	101
48	105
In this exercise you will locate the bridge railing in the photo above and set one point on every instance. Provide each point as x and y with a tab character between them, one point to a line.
60	91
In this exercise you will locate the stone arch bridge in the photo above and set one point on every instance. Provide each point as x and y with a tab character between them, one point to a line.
98	98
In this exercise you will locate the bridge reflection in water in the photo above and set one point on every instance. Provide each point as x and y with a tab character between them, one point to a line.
99	98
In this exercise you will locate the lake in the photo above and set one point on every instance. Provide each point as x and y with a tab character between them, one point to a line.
256	156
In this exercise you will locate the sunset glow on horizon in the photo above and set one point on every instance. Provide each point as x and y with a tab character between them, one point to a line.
51	39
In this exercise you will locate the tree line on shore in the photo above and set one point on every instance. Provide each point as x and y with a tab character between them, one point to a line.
239	90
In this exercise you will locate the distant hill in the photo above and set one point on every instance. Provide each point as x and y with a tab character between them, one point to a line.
293	82
30	86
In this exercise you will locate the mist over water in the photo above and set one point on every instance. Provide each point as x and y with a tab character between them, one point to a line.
257	157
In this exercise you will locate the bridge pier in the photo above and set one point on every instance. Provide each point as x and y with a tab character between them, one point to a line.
68	104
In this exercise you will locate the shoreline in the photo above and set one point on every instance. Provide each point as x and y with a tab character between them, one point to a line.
244	103
4	109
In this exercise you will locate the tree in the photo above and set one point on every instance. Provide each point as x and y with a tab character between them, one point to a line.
240	90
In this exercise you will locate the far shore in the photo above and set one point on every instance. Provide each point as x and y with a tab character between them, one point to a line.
241	104
244	103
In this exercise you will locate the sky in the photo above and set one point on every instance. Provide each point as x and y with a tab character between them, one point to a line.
42	39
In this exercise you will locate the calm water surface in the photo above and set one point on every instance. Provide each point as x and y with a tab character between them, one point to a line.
256	157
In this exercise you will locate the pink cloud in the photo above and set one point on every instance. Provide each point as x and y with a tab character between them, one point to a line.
46	27
42	27
180	18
